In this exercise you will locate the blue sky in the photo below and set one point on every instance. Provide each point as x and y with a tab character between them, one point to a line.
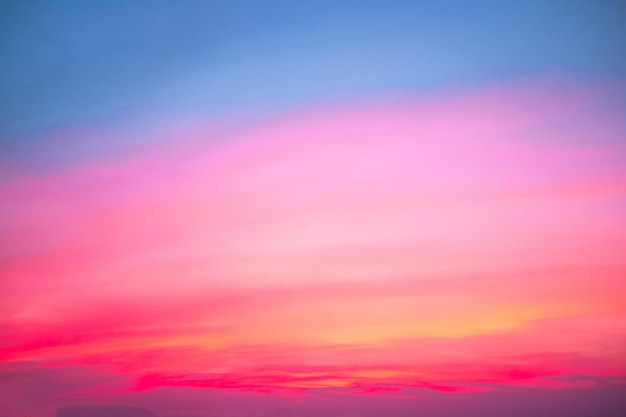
76	62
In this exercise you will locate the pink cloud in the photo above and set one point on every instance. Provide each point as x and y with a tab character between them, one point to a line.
471	239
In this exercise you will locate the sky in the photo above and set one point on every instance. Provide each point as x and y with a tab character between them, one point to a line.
304	209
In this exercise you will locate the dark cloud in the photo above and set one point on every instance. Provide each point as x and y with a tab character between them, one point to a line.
104	411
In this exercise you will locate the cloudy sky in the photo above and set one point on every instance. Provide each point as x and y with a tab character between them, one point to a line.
303	209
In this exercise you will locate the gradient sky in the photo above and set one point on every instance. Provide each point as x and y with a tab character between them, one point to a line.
325	208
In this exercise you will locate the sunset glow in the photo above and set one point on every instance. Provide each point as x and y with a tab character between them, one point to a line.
467	241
